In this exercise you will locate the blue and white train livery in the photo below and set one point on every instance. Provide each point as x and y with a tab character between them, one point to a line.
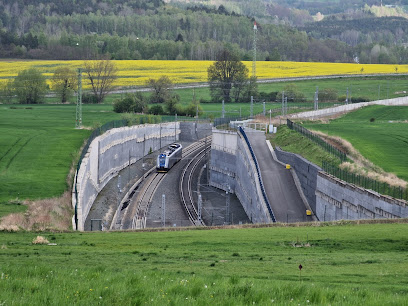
169	157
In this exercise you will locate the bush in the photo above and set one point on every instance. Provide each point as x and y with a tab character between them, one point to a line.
292	93
131	103
156	110
191	109
342	98
88	98
359	99
328	94
122	105
268	96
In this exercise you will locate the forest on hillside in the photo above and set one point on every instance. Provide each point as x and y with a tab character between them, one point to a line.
131	30
177	30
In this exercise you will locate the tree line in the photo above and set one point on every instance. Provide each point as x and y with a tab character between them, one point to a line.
165	32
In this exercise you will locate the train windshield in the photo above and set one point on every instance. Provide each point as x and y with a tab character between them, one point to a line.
162	160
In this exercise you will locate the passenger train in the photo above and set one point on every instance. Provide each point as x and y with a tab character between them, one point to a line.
169	157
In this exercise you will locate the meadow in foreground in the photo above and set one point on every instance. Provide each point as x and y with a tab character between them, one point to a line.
342	265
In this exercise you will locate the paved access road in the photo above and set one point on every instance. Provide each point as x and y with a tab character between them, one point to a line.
280	188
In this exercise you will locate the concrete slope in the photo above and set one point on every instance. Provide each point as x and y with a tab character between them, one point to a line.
280	188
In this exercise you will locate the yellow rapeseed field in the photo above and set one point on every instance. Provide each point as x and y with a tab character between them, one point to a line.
136	73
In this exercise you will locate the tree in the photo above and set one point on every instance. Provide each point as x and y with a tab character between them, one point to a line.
30	86
172	105
64	82
101	74
251	89
7	92
162	89
224	74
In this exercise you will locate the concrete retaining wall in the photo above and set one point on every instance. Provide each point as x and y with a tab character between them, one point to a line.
346	108
305	171
333	199
112	152
232	169
223	163
337	200
193	131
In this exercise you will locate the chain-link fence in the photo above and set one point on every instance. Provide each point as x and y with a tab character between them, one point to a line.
366	182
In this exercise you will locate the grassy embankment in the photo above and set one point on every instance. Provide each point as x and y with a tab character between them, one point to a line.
379	133
342	265
37	148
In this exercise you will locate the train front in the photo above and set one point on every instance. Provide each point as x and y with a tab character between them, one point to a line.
162	163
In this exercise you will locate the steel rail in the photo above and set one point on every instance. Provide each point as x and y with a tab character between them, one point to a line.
185	188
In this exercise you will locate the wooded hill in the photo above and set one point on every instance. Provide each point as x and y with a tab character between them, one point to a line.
148	30
141	29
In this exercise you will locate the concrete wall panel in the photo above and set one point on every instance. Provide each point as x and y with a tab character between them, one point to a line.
336	199
109	153
232	165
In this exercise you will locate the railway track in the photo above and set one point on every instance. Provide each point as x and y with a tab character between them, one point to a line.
138	213
186	192
146	196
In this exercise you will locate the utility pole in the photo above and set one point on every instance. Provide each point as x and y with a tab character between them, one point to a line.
175	128
264	111
254	51
347	94
252	107
223	110
160	137
227	206
78	121
200	202
316	99
283	103
164	210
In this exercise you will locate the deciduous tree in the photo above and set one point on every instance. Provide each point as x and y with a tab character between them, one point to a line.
225	74
101	75
30	86
64	82
161	89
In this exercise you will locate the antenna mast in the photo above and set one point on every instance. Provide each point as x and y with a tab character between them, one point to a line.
254	54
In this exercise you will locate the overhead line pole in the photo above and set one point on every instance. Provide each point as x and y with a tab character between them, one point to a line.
78	121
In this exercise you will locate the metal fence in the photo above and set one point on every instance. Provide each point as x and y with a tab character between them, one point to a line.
325	145
241	130
365	182
226	120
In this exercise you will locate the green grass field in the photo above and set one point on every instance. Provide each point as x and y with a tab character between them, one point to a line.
342	265
383	141
371	87
38	144
295	142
